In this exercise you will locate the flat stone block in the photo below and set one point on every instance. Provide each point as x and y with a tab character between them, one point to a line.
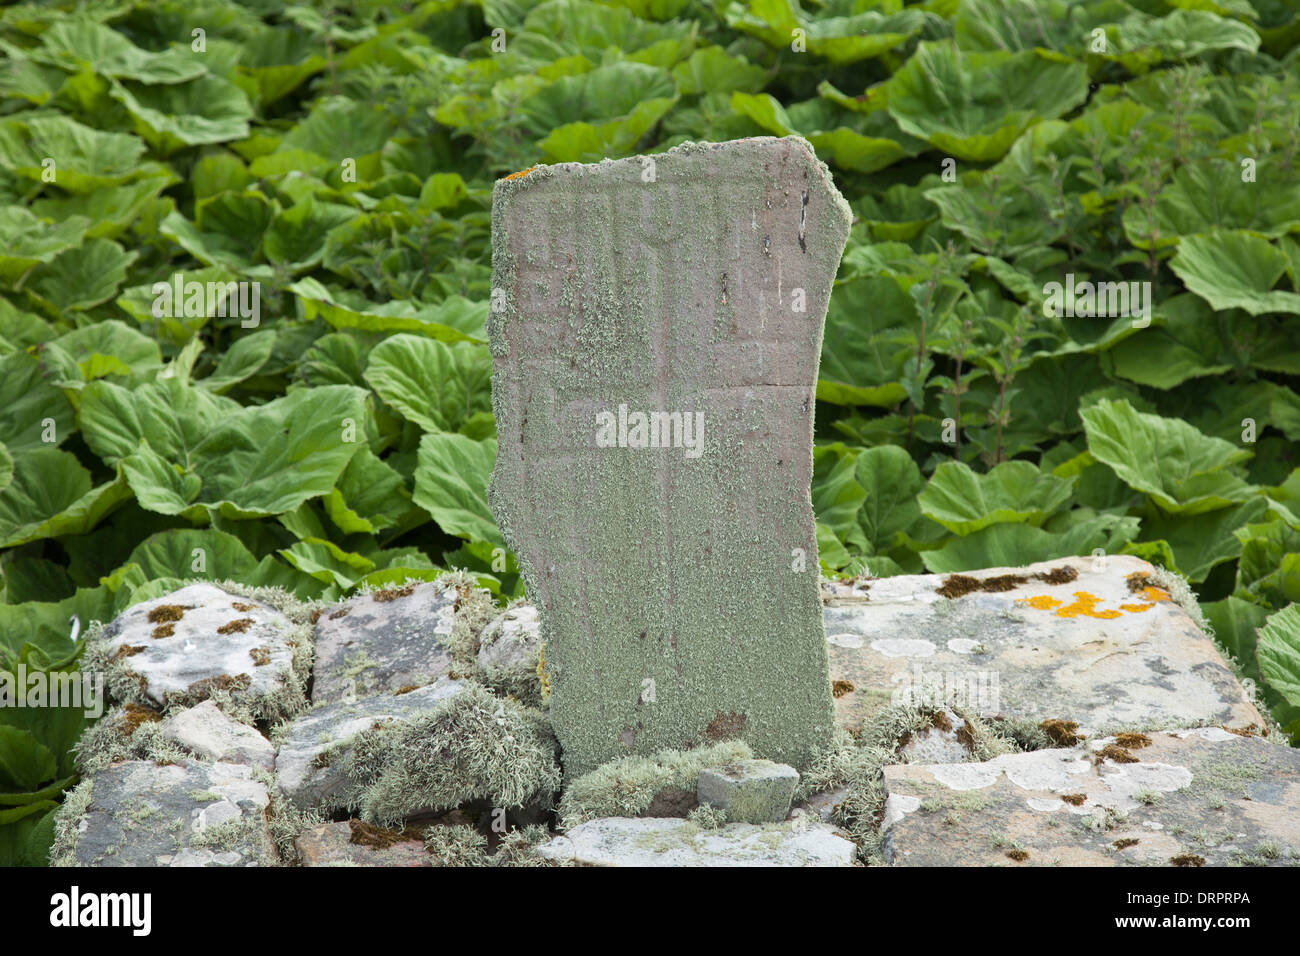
191	814
310	763
658	841
1055	640
209	734
751	791
383	641
1203	797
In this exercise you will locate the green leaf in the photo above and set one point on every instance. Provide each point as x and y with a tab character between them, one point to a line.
1183	470
84	158
435	385
1279	653
974	105
27	241
1012	492
451	482
891	481
83	277
51	495
1232	269
370	496
25	763
1201	541
241	361
192	552
27	401
1016	545
205	110
455	320
76	44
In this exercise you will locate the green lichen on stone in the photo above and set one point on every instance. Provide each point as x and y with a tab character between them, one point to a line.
628	787
659	586
67	823
472	746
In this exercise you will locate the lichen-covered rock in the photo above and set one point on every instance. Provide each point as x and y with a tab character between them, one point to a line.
179	649
138	813
649	841
750	791
655	370
1103	647
383	641
209	734
311	764
1202	797
354	843
509	650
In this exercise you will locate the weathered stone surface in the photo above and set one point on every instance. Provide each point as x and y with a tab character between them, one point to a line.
677	585
510	645
208	733
338	844
383	641
751	791
191	814
200	638
1190	797
1090	649
310	764
652	841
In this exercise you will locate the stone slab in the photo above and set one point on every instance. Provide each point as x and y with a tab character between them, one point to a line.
1202	797
658	841
190	814
209	734
201	636
333	845
751	791
383	641
677	582
509	646
310	759
1088	649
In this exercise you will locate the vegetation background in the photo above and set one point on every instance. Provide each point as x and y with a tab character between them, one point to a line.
342	155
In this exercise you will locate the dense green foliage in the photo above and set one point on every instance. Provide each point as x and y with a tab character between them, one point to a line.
342	155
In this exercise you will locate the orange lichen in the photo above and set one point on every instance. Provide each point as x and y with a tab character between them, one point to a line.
1155	595
522	173
1136	608
1085	605
1040	603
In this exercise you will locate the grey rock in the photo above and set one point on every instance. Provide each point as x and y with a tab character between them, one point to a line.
383	641
209	734
658	841
751	791
311	762
1089	649
1201	797
199	638
677	579
331	845
509	648
191	814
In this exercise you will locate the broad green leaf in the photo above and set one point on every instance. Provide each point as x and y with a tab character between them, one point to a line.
83	277
326	561
75	44
974	105
83	158
33	412
25	763
246	355
193	553
51	495
1279	653
370	496
1233	269
1202	541
205	110
435	385
451	482
27	241
455	320
1013	492
1183	470
1016	545
891	481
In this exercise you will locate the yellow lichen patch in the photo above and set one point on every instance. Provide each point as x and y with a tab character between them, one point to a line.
1155	595
1136	608
522	173
1085	605
1040	603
